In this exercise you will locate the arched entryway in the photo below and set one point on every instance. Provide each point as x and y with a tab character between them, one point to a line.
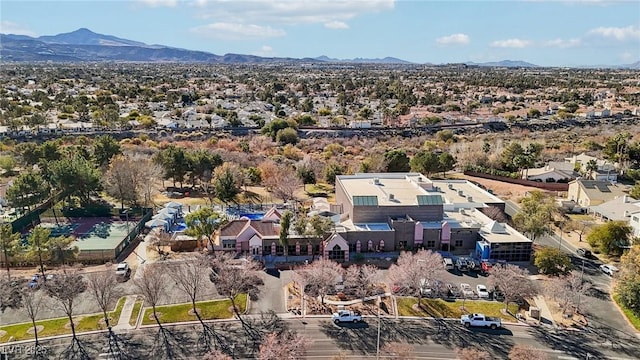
336	254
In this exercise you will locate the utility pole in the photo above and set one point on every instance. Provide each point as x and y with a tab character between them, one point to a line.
581	281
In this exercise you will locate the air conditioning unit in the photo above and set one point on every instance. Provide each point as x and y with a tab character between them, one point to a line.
376	181
450	186
462	211
460	192
391	197
469	198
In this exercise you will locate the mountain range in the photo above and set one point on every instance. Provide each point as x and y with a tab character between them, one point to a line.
84	45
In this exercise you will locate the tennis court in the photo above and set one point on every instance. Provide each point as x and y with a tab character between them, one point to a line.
95	237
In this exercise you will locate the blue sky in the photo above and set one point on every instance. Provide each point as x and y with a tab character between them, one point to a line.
548	33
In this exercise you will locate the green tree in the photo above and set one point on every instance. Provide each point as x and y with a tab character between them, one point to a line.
331	171
446	162
425	162
272	128
9	245
29	153
635	191
509	154
28	189
37	249
175	163
104	148
397	160
610	238
552	261
204	222
76	176
61	251
287	136
285	224
306	174
590	167
535	215
627	285
202	162
571	106
533	113
7	164
225	183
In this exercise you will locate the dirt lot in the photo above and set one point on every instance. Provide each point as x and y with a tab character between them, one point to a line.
503	190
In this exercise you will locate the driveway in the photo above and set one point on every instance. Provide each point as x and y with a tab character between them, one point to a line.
272	293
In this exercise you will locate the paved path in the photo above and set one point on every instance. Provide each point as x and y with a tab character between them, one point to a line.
125	315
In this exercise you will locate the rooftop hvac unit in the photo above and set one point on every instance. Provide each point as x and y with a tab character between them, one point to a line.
450	186
391	197
376	181
469	198
462	212
460	192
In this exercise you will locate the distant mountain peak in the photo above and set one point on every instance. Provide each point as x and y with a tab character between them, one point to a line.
504	63
84	36
359	60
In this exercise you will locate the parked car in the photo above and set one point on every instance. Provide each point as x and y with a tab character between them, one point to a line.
462	264
425	288
346	316
482	291
34	283
448	263
497	294
486	266
480	320
584	252
608	269
123	270
467	292
453	291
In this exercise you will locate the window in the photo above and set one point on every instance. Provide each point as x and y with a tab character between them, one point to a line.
228	245
266	250
402	244
430	243
291	249
457	243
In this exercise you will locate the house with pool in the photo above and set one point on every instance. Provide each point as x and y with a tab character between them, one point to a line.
390	212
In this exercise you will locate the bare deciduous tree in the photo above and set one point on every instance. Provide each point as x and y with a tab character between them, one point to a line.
513	281
285	346
190	279
148	174
65	288
320	277
398	350
362	280
32	302
119	179
567	290
151	284
526	352
413	271
285	184
470	353
233	277
103	287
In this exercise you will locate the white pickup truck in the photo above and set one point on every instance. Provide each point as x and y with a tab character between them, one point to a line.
346	316
480	320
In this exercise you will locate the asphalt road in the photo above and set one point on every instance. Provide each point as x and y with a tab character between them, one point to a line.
429	338
602	314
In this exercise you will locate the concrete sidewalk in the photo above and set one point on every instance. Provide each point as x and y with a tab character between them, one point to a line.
125	315
545	313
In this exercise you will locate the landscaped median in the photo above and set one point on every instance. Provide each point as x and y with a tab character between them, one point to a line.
408	306
208	310
60	326
135	313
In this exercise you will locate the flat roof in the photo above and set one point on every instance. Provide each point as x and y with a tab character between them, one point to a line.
459	191
389	189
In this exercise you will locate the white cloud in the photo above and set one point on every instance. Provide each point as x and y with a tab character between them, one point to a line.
8	27
454	39
336	25
511	43
159	3
562	43
630	32
236	31
290	12
265	51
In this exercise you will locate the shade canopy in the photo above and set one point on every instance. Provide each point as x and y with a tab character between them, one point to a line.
173	205
154	223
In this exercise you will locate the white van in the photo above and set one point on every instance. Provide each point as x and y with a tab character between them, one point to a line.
448	263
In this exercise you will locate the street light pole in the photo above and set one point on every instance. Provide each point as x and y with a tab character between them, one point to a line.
581	281
378	342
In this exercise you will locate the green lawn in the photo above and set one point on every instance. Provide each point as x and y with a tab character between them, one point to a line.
58	326
446	309
213	309
136	312
633	318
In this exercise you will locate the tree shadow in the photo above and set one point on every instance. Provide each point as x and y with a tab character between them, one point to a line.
77	350
121	347
573	343
171	344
